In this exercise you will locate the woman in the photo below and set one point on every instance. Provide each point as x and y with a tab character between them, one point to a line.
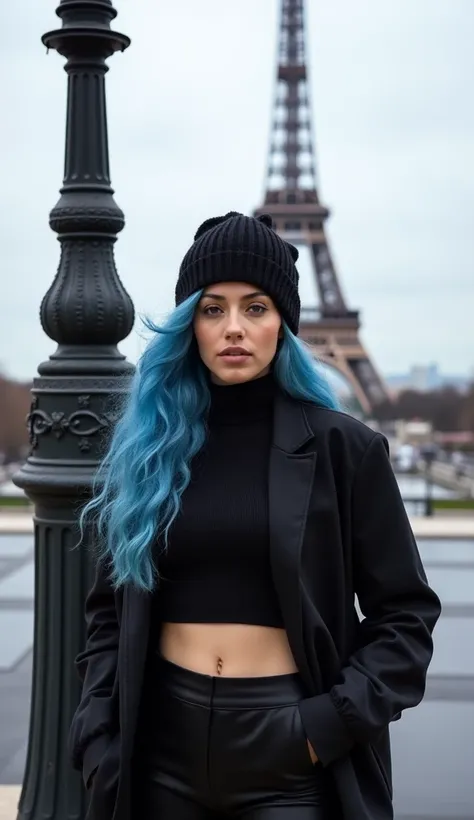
238	513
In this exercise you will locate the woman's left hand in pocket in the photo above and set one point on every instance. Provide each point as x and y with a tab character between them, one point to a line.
312	753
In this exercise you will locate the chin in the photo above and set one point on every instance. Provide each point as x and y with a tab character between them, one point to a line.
235	377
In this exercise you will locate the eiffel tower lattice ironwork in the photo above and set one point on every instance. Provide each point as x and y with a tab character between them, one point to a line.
291	197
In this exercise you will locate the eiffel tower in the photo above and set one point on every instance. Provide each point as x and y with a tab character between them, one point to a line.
292	199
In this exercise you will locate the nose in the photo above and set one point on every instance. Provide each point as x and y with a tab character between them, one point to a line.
234	328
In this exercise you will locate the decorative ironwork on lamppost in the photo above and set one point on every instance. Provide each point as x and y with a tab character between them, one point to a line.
87	312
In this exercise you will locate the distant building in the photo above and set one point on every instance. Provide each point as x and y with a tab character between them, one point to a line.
425	378
415	432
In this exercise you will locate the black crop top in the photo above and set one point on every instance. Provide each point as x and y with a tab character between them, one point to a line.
217	565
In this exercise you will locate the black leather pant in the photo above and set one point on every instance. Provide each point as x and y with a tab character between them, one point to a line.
217	747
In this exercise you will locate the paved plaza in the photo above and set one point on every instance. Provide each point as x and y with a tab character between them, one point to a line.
9	796
433	749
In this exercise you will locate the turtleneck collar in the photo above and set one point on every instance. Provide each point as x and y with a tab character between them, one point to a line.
237	403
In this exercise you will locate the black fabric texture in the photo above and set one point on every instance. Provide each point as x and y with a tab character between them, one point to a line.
217	565
238	248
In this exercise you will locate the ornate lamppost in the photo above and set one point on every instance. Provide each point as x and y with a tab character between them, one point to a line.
87	312
428	454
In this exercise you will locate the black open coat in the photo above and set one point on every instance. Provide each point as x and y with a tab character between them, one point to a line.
338	529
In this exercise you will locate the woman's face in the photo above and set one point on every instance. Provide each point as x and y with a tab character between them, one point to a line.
237	327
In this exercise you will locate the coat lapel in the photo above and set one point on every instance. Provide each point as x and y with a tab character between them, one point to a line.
291	476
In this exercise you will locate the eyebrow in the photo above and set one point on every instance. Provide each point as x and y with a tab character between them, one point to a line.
221	298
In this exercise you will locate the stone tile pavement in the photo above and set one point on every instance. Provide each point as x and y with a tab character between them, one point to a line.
9	796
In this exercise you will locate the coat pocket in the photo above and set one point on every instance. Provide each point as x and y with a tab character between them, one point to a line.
103	790
93	755
381	768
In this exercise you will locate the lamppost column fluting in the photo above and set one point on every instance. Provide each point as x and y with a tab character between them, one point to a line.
76	397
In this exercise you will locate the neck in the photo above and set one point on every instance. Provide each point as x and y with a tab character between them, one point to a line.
232	404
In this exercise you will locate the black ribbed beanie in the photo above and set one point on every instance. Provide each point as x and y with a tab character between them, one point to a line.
238	248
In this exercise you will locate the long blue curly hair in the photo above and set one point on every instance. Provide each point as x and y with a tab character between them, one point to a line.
140	481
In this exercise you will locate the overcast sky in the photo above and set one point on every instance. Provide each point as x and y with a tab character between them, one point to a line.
189	110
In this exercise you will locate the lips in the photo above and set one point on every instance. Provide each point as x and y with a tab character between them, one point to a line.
235	351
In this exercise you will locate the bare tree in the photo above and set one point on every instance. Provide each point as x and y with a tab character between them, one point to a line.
14	406
448	409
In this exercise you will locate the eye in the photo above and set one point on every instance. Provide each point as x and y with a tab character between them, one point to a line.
211	310
257	310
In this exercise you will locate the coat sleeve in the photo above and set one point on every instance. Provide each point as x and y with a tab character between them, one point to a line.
96	666
387	672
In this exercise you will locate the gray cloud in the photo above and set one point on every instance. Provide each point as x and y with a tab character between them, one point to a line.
189	109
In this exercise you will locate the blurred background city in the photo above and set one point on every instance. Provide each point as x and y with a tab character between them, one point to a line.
352	124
